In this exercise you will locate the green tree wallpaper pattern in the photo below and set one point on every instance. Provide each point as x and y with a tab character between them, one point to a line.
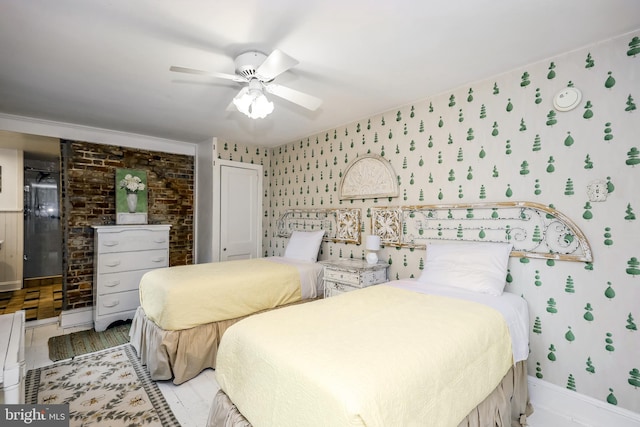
501	139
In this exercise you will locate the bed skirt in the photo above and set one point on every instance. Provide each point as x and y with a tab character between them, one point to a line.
507	406
179	355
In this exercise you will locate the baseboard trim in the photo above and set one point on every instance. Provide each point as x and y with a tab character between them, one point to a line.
579	408
40	322
76	317
13	285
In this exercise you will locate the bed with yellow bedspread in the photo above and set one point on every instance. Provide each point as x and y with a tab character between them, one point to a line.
185	310
380	356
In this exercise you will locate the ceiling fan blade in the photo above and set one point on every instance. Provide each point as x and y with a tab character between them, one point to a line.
275	64
234	77
305	100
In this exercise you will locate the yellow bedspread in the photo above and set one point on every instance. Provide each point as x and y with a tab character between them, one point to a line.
380	356
183	297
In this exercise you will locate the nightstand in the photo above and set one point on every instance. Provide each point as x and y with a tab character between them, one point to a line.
345	275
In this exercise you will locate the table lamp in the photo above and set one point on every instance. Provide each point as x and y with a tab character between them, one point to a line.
373	246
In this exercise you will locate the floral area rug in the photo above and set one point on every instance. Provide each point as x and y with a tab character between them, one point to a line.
106	388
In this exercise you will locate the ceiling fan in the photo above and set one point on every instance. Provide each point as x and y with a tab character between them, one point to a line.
258	71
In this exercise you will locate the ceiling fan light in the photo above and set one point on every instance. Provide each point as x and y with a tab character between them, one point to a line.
261	107
253	104
243	100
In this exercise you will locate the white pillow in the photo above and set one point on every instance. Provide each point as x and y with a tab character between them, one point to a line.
304	245
474	266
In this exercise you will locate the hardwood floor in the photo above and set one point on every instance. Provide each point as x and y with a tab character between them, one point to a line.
191	401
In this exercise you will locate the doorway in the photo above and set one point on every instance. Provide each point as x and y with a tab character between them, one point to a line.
42	228
41	293
40	288
42	264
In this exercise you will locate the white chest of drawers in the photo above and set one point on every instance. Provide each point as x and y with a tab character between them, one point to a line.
122	254
345	275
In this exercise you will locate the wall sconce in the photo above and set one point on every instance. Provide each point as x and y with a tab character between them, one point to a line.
252	102
373	246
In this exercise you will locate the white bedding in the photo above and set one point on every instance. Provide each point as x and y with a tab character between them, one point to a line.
379	356
513	307
186	296
310	275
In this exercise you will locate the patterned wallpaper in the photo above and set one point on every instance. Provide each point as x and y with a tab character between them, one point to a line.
502	140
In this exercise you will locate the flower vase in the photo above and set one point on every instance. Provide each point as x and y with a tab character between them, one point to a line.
132	202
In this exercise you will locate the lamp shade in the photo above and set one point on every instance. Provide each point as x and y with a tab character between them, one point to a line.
252	102
373	243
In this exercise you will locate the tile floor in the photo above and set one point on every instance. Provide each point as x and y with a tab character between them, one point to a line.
40	298
191	401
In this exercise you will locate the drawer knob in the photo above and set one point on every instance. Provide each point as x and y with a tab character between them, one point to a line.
159	259
159	240
112	303
112	284
113	263
111	243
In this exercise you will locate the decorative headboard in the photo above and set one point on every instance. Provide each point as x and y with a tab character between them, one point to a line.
536	230
340	225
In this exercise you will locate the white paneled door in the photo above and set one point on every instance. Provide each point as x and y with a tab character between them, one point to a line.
240	207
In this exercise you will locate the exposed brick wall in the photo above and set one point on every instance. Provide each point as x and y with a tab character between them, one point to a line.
88	198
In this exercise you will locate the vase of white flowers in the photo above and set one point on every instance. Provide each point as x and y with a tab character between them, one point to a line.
132	184
132	202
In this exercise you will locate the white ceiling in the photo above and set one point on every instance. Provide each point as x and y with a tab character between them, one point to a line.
105	63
